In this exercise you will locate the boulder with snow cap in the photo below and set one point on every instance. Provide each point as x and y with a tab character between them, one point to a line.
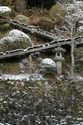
4	10
15	40
49	65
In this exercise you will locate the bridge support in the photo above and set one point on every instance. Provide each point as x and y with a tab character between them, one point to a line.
58	59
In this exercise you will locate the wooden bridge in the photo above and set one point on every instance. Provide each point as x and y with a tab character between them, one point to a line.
55	42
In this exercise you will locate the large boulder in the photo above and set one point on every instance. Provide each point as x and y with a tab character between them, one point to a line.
23	19
49	65
4	10
15	40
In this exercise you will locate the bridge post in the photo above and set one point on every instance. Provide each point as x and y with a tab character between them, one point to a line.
58	58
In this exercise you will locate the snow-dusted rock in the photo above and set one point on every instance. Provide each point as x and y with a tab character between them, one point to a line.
4	10
76	78
15	40
19	35
49	65
81	22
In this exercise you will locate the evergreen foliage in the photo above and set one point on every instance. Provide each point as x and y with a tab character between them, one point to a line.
40	3
55	11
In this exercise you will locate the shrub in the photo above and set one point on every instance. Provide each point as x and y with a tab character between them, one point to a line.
45	23
55	11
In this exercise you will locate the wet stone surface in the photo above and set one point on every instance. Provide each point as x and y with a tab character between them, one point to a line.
49	103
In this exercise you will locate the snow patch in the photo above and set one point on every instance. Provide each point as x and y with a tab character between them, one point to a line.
76	78
4	9
21	77
80	29
18	34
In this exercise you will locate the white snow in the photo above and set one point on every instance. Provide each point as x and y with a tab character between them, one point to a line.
81	21
80	29
48	61
4	9
21	77
71	7
76	78
18	34
78	3
8	39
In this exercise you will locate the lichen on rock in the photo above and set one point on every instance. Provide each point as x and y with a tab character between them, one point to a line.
23	19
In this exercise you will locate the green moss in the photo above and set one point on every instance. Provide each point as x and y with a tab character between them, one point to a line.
17	44
4	28
9	67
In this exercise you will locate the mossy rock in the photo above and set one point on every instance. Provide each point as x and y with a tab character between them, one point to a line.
22	19
55	11
3	21
45	23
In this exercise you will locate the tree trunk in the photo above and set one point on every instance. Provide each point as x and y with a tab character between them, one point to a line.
72	52
42	5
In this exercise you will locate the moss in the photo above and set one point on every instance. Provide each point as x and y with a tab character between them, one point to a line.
9	67
17	44
4	28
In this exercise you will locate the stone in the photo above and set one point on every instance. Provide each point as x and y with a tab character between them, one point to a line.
4	10
49	65
15	40
23	19
58	58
